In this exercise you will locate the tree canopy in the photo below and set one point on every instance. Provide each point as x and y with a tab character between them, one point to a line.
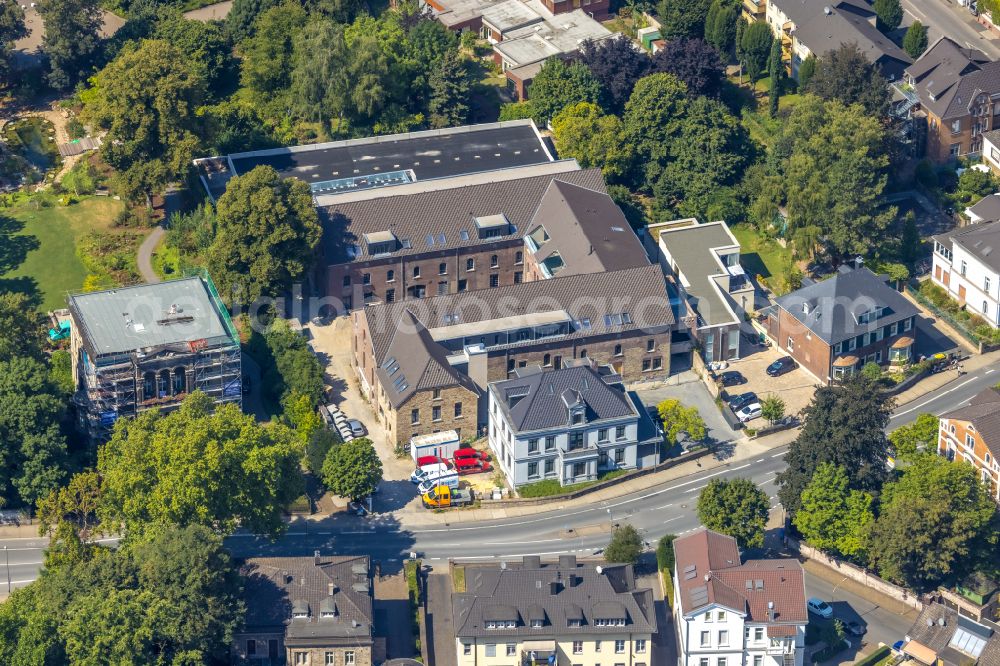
754	49
917	437
616	65
677	418
694	62
833	517
915	40
844	425
845	74
196	466
652	119
267	232
625	546
889	13
736	507
583	132
682	18
352	469
71	43
558	85
12	28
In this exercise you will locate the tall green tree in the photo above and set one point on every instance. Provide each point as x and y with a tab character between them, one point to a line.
889	13
720	27
682	18
652	120
352	469
320	81
915	40
196	466
583	132
266	56
242	16
146	99
844	425
20	326
736	507
807	69
450	89
71	43
203	43
558	85
917	437
625	546
772	408
936	525
268	231
755	48
833	517
12	28
776	70
677	418
845	74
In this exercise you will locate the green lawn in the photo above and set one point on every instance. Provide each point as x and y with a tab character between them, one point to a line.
762	256
38	246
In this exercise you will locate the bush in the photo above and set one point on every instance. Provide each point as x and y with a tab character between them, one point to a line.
665	553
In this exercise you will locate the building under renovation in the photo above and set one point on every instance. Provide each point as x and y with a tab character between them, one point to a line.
149	346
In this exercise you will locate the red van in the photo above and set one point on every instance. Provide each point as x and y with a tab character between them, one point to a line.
470	453
471	465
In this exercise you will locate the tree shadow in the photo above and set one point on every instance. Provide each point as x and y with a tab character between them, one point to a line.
737	97
393	495
14	246
26	285
754	265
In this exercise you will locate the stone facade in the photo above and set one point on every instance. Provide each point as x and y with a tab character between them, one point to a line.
329	656
455	408
952	138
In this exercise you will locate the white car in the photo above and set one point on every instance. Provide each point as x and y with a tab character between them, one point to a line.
749	412
819	607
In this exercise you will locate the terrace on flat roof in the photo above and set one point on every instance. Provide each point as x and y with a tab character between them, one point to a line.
387	161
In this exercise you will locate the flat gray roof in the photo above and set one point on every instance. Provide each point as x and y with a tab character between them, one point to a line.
691	249
561	33
149	315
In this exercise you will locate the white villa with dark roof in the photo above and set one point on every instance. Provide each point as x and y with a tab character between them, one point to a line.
734	613
966	264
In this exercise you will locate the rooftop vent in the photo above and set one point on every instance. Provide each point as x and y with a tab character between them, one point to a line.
827	10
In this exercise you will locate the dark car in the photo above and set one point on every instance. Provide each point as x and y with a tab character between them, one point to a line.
742	400
855	628
781	366
732	378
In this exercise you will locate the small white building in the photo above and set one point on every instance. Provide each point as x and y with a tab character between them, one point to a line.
734	613
569	424
966	264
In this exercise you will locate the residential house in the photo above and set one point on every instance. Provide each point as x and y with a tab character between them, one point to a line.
941	636
956	87
835	326
986	209
307	611
816	27
563	613
569	424
966	266
148	347
991	150
704	260
972	434
734	613
621	318
461	15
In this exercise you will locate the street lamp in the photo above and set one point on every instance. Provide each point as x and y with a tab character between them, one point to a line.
6	556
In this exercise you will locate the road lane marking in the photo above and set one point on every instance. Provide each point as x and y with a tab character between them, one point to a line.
989	371
778	455
759	460
933	398
520	543
659	508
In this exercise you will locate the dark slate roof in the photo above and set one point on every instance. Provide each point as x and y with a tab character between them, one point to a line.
835	303
848	23
414	362
936	627
800	12
525	588
639	291
983	411
981	240
710	572
448	211
542	402
987	208
948	77
274	586
586	229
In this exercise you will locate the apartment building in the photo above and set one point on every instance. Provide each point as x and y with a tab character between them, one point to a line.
966	266
562	613
733	613
148	347
971	434
569	424
833	327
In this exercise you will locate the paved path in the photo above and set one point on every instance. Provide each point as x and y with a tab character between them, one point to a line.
144	259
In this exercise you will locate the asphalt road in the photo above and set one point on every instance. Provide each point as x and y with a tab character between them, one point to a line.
947	18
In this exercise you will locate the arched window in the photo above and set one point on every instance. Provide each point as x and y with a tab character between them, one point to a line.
163	385
149	385
180	381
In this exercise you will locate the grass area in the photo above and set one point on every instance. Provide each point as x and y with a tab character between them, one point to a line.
551	487
38	252
458	578
411	571
764	257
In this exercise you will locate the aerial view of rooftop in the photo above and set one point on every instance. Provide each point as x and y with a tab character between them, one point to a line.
500	333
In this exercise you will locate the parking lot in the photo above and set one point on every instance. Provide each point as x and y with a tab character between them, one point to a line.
796	388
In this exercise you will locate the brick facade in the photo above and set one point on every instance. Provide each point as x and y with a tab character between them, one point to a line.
317	656
443	403
959	440
948	141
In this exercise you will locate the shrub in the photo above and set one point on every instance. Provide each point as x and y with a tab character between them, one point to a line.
665	553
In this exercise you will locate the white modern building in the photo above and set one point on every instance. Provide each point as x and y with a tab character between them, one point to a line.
966	264
734	613
569	424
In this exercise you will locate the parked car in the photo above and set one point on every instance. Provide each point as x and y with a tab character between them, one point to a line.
898	646
781	366
449	479
817	606
732	378
470	453
357	427
432	460
738	402
855	628
749	412
472	465
425	472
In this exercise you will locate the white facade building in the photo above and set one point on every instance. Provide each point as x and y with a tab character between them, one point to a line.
730	613
966	264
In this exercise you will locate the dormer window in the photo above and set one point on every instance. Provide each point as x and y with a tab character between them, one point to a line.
610	622
300	610
577	418
575	622
537	624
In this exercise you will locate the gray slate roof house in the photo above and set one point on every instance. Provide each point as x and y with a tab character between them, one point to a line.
941	636
986	209
566	597
981	240
948	76
834	309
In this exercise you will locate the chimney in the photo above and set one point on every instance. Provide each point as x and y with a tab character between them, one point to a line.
331	588
555	587
770	611
574	580
316	557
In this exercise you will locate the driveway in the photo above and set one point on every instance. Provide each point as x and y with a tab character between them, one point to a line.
440	650
691	391
796	388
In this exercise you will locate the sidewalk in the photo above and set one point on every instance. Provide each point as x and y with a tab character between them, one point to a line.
936	381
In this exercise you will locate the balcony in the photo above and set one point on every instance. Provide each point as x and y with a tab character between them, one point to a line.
754	10
537	653
584	453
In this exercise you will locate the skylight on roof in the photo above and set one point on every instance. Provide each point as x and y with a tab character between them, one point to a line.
441	239
464	234
406	244
430	240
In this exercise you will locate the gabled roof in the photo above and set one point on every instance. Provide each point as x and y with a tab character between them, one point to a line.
986	209
847	24
710	572
830	308
941	635
586	229
414	362
555	593
540	402
981	240
983	412
948	77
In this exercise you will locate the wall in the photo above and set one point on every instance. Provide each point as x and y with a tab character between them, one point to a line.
856	574
972	285
464	425
316	656
692	628
594	649
952	439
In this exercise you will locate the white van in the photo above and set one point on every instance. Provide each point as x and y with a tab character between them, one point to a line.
433	471
449	479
